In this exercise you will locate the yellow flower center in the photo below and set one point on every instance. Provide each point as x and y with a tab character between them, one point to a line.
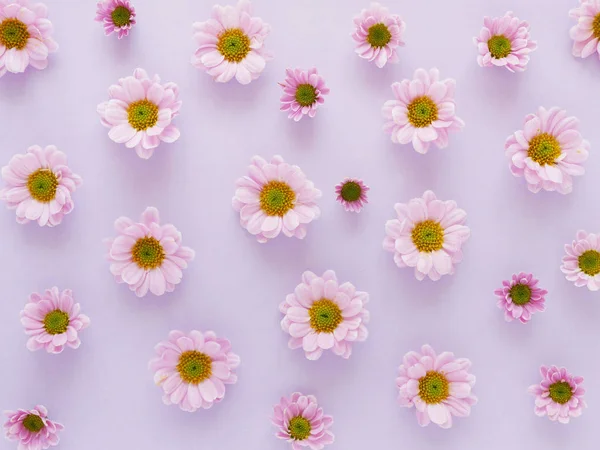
428	236
13	34
325	316
434	387
277	198
422	112
42	185
147	253
142	114
544	149
234	45
194	367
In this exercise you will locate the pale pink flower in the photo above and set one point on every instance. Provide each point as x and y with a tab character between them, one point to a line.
548	152
378	35
148	256
438	386
192	369
427	235
231	44
423	111
521	297
32	428
322	314
586	34
559	395
300	421
118	16
581	264
352	194
303	92
140	111
275	197
39	185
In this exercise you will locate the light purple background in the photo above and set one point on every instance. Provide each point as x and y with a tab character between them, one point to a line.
104	393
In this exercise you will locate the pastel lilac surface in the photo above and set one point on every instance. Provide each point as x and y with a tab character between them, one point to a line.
303	92
520	297
117	16
32	429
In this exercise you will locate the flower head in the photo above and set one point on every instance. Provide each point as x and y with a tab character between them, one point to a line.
32	428
438	386
352	193
427	235
230	44
586	33
581	264
548	152
39	185
521	297
117	16
140	111
559	395
275	197
192	369
148	256
300	421
303	92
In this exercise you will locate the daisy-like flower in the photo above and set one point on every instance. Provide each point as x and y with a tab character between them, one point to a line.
504	42
303	92
581	264
39	185
548	152
192	369
32	428
275	197
423	111
352	194
140	112
322	314
521	297
427	235
148	256
559	395
438	386
378	35
586	34
118	16
231	44
301	421
53	321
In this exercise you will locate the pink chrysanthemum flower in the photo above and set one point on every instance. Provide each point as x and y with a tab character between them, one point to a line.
352	193
39	185
548	152
193	369
378	35
559	395
423	111
303	92
53	321
438	386
427	235
231	44
275	197
118	16
521	297
322	314
25	36
504	42
148	256
581	264
140	112
586	34
301	421
32	428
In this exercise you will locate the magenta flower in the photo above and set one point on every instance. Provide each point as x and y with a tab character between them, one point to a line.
352	194
118	16
301	421
303	92
427	235
559	396
438	386
581	264
39	185
148	256
140	112
32	428
586	33
548	152
521	297
193	369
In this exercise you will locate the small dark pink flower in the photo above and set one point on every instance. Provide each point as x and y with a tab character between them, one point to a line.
32	428
352	193
118	16
303	92
521	297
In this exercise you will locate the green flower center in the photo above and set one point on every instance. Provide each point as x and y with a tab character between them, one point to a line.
233	44
121	16
33	423
299	428
194	367
428	236
433	388
277	198
499	46
422	112
147	253
142	114
42	185
379	35
13	34
520	294
351	191
561	392
56	322
596	26
544	149
589	262
306	94
325	316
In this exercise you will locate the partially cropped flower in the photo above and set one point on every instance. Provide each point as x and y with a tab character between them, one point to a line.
423	112
352	193
504	42
303	92
118	16
300	421
521	297
275	197
32	428
322	314
140	111
148	256
378	35
548	152
586	33
231	44
559	395
427	235
192	369
39	185
53	321
438	386
581	264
